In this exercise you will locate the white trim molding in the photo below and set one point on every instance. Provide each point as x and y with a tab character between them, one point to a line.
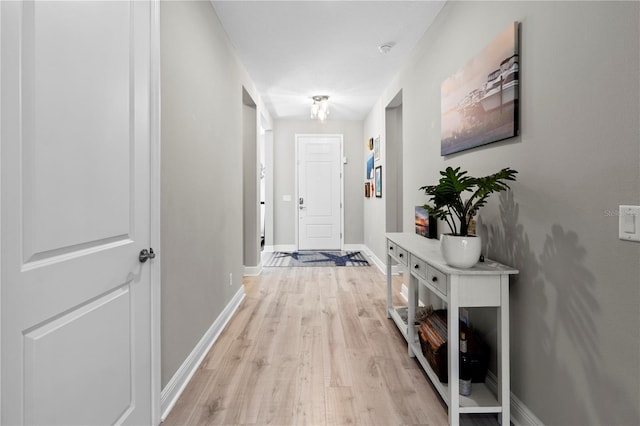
404	292
355	247
180	379
521	415
381	264
155	127
253	271
284	247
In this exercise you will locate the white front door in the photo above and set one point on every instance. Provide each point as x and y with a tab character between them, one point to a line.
75	164
319	192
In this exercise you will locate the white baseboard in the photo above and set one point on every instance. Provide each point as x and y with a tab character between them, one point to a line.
253	271
284	247
268	249
521	415
382	266
172	391
404	292
354	247
369	254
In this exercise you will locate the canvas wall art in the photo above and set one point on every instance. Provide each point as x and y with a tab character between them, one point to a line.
425	224
479	104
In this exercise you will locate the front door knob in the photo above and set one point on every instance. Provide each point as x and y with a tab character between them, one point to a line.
146	254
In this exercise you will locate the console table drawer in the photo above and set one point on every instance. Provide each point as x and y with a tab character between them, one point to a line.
437	279
418	267
397	252
402	255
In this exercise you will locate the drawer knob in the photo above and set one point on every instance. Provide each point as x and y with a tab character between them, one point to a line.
391	248
400	254
434	279
416	266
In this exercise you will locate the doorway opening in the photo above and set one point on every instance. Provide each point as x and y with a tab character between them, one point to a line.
393	159
250	186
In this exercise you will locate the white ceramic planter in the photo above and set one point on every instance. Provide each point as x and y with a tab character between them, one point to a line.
460	252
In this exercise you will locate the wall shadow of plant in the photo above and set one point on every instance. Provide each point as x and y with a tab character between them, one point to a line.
553	299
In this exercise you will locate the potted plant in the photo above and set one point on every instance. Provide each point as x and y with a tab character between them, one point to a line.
460	249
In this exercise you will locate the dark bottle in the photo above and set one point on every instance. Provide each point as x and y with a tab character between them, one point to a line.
465	367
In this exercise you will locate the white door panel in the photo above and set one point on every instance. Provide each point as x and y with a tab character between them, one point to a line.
319	192
75	212
69	348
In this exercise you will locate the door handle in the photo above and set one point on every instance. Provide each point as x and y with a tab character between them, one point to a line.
146	254
301	201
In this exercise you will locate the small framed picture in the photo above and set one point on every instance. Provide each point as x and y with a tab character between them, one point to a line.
367	190
370	164
378	181
425	224
376	148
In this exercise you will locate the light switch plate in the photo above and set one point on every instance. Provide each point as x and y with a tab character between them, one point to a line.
629	223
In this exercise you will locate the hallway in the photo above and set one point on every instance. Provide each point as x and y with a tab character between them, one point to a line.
311	346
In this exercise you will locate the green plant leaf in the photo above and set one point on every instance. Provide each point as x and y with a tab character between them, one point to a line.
445	198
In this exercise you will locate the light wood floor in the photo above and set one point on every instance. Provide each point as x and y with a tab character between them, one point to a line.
311	346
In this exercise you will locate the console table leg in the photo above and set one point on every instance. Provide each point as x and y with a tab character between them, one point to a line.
453	325
389	293
504	388
411	313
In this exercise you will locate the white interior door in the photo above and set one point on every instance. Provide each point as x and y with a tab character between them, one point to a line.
319	192
75	123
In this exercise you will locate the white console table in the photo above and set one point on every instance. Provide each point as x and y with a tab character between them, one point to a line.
484	285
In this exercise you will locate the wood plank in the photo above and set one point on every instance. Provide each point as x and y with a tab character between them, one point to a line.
336	371
340	407
309	406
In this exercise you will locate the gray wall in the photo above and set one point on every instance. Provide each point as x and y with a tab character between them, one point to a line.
574	306
284	132
201	176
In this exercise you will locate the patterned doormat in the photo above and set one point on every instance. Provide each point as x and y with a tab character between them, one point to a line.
316	258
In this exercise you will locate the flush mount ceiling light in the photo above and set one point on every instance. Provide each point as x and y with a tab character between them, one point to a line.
386	47
320	107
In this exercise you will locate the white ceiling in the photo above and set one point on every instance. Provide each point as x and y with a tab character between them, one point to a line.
294	50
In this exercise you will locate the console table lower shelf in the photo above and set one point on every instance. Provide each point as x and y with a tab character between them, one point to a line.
481	400
399	321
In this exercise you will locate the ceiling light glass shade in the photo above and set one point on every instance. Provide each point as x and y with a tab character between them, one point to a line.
320	108
314	110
